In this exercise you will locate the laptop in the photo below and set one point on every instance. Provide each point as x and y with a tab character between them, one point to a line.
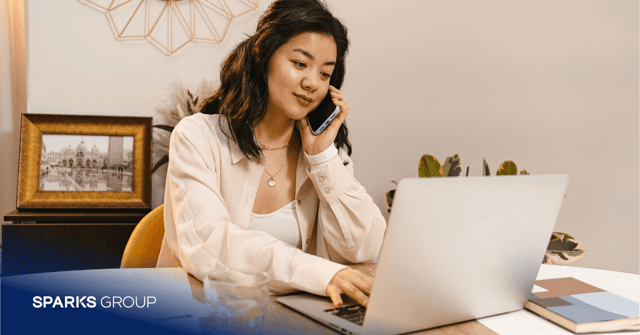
455	249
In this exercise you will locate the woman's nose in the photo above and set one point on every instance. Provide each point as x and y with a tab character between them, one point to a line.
310	82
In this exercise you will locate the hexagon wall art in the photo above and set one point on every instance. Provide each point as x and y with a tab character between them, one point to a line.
171	24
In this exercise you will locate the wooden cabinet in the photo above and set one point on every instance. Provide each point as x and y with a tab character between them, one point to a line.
39	241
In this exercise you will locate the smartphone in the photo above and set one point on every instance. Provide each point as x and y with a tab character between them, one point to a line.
320	117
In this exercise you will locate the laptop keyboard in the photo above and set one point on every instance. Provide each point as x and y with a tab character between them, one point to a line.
353	313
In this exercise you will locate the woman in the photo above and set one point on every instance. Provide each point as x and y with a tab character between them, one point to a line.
250	188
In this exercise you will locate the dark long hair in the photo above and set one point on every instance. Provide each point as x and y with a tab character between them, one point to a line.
243	93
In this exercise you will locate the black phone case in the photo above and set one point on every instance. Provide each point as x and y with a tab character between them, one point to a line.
317	118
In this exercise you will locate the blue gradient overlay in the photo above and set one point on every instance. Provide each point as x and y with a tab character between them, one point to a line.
178	308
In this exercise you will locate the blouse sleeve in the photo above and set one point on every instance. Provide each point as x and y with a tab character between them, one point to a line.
204	237
351	223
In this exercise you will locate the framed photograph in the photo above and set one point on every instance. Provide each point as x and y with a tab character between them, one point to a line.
83	162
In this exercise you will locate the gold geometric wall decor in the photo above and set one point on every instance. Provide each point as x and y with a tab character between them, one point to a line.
171	24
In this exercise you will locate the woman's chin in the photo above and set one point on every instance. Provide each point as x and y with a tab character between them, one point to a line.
298	115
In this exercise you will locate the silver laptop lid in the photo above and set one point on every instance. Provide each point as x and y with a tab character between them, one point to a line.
461	248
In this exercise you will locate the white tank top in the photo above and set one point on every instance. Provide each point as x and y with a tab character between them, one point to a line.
281	224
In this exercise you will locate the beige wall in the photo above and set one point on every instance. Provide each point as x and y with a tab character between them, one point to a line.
551	85
13	97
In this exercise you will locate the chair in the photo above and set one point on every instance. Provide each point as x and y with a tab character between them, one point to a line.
143	247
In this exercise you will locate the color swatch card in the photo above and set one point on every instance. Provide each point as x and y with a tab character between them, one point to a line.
583	308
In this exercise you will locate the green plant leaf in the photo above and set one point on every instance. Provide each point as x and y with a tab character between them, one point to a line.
451	167
485	168
507	168
429	167
524	172
390	195
563	249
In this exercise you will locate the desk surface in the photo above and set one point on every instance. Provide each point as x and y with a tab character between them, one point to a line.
524	322
179	307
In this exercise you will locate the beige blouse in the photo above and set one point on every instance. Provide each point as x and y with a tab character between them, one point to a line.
210	190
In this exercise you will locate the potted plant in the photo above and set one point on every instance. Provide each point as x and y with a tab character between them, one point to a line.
562	249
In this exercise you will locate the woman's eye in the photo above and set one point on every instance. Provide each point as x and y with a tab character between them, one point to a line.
298	64
326	75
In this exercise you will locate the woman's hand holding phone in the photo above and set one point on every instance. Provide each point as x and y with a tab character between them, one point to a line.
315	144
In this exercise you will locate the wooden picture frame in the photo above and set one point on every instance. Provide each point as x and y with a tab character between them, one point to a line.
115	175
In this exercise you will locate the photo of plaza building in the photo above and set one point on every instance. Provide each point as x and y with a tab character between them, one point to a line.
86	163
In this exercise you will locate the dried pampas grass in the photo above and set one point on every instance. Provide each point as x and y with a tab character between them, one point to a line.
181	102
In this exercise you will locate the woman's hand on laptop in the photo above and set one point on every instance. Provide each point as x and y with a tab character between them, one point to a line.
351	282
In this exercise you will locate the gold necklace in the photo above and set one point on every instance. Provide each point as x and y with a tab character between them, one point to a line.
275	149
271	181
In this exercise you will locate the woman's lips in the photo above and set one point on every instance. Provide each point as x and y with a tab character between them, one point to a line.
303	100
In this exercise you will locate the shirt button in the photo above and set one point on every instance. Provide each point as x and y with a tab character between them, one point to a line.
321	179
327	191
299	202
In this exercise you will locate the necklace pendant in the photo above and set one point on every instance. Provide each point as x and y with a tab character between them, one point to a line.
271	182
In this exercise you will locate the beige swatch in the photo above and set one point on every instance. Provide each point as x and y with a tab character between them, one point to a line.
561	287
